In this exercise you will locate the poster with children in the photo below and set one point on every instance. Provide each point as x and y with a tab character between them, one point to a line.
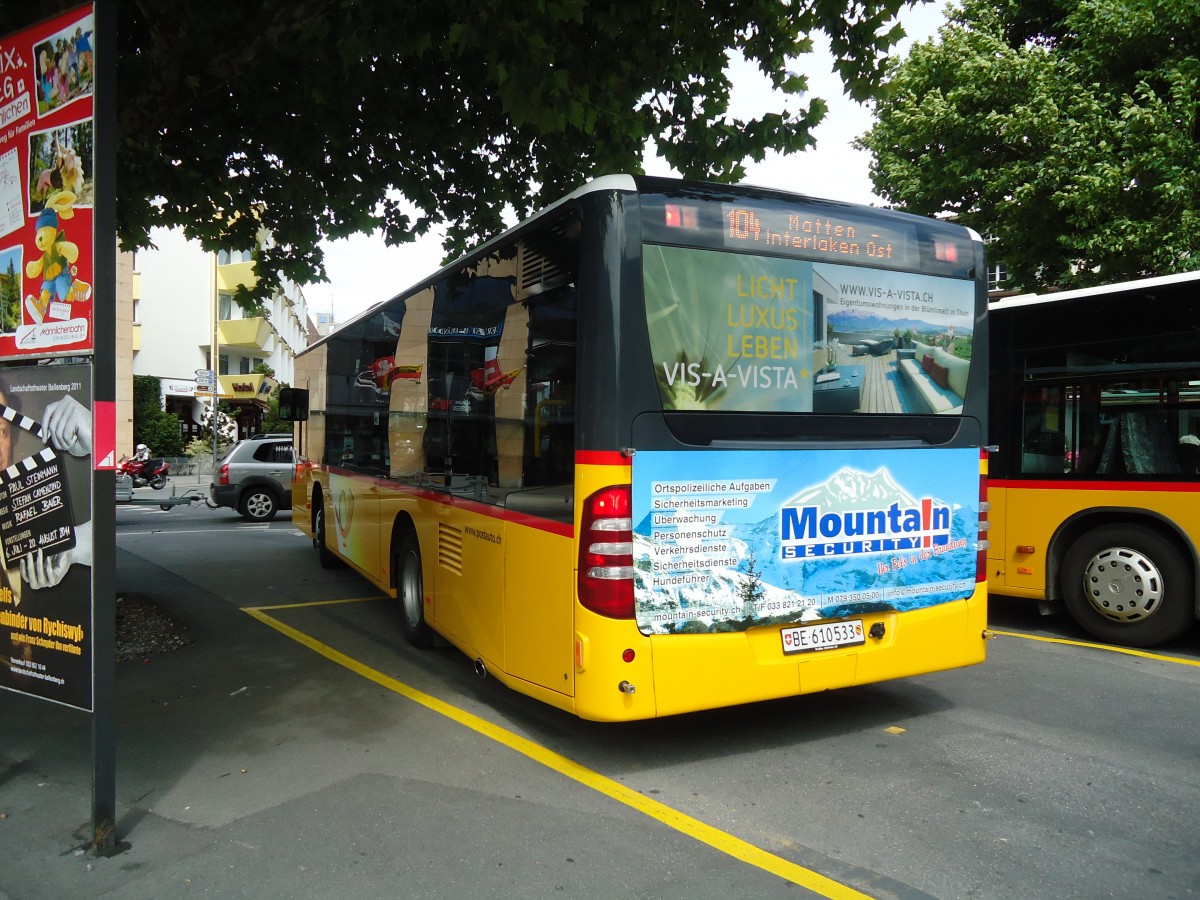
47	187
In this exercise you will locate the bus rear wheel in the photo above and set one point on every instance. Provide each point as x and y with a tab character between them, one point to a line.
410	591
1126	584
328	560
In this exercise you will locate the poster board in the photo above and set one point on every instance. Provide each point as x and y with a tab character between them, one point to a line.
47	188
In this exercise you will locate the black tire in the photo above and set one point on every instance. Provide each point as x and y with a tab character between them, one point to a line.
410	592
158	482
328	559
258	504
1127	584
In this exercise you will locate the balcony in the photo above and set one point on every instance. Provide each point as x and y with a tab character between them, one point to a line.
246	387
245	334
234	274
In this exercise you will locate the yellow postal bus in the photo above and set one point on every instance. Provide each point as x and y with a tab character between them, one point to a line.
668	446
1095	493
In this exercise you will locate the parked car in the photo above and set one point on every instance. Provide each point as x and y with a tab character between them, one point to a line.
255	476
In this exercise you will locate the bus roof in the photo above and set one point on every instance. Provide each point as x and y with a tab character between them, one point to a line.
603	183
1141	284
620	182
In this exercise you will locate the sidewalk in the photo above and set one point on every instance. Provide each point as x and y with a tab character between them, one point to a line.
248	766
243	769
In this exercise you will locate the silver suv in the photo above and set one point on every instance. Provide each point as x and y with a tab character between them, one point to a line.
255	476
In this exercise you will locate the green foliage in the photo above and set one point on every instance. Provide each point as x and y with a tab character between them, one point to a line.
325	118
10	299
147	394
1066	133
162	435
751	591
152	425
203	447
271	423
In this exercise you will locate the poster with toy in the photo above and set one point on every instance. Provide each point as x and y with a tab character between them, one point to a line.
47	188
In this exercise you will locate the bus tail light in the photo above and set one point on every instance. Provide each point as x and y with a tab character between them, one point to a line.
679	216
606	553
945	251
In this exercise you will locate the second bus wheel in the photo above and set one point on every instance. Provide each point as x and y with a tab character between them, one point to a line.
410	591
326	556
1127	584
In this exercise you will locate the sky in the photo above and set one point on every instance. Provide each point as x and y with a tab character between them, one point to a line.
363	270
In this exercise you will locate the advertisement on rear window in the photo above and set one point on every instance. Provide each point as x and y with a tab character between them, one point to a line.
741	333
761	537
46	188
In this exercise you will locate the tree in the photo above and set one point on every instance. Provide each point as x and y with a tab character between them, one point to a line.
751	591
10	299
152	425
317	119
271	423
1065	132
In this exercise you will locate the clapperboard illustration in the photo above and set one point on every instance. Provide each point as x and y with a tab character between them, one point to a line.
35	506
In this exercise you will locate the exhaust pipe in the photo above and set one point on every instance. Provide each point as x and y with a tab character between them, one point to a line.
480	668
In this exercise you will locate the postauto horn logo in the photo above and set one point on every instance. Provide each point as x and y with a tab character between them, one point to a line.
859	513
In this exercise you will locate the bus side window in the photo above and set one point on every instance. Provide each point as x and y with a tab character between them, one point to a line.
1043	449
549	447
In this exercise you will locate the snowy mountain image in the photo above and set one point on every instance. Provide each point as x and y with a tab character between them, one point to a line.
739	576
850	489
855	321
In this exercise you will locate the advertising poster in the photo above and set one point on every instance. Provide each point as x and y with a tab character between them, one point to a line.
47	188
784	536
744	333
45	532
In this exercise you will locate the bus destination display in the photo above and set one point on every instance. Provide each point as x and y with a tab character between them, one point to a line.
816	235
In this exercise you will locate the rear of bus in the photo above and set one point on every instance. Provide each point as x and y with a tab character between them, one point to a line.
778	469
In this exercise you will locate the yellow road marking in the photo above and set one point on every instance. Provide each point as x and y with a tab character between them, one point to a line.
1128	651
673	818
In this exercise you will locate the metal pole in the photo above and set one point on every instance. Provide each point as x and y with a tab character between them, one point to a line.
104	391
215	361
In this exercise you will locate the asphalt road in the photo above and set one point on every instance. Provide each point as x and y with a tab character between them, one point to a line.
1056	769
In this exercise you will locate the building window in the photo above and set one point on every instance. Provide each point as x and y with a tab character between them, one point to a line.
225	306
997	275
228	257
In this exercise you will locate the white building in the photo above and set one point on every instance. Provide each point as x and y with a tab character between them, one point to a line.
184	317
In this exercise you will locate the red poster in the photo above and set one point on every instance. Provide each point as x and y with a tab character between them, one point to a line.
47	188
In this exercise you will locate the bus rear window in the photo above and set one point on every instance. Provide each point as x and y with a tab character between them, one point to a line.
736	332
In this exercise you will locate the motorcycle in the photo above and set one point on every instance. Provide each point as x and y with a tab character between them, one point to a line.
144	472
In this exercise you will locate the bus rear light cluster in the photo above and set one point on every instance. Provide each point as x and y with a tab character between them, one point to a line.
606	553
676	215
